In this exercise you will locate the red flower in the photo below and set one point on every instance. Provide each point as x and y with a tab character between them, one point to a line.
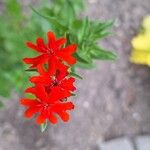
52	86
59	80
46	105
51	52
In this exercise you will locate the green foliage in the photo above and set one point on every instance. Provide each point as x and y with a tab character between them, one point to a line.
85	32
43	126
13	34
61	16
75	75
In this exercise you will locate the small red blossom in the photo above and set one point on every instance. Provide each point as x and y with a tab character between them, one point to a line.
59	80
46	107
51	51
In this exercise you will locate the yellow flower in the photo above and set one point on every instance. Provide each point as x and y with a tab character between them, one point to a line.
140	57
141	42
141	45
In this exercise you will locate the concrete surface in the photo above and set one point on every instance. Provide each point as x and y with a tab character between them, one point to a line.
127	143
117	144
143	142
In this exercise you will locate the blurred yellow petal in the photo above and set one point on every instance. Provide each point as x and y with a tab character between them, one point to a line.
141	42
141	45
146	24
140	57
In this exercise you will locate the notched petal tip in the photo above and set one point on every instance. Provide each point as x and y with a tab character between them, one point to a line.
39	40
52	118
25	60
61	41
22	101
28	114
68	106
30	90
40	119
64	116
28	44
51	36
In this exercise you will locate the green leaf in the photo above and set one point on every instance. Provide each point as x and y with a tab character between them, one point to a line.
102	54
30	96
75	75
104	25
52	20
77	5
85	66
31	69
85	27
73	94
44	126
81	59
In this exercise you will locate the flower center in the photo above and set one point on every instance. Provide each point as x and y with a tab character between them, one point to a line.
48	88
50	51
55	82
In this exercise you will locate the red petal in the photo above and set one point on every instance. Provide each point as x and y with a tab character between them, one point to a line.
39	60
52	65
66	54
40	119
52	118
62	107
34	47
46	80
41	45
57	94
69	49
34	79
61	66
29	102
67	57
60	42
31	111
61	75
31	90
51	39
67	106
64	116
40	92
41	69
62	71
68	84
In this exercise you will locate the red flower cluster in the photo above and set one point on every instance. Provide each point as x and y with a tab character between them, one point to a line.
52	86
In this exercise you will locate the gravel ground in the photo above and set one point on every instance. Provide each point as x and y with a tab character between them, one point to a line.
113	99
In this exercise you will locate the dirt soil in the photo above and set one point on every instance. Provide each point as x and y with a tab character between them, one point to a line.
113	99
